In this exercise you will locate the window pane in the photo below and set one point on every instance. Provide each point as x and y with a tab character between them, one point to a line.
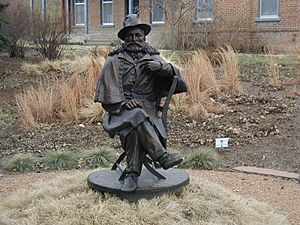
204	9
269	7
132	7
79	13
107	13
79	1
158	12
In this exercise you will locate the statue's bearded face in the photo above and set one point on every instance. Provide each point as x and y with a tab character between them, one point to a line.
136	35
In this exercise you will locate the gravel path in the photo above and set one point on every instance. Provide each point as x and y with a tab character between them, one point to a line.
279	193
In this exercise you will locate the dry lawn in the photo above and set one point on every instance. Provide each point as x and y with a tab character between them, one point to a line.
67	200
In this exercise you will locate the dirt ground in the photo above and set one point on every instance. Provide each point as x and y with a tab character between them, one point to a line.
263	123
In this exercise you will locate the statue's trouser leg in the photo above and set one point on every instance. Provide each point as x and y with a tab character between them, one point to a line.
134	152
144	139
149	138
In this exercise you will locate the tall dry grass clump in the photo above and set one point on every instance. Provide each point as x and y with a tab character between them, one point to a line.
64	99
73	91
229	80
273	70
66	199
202	83
37	105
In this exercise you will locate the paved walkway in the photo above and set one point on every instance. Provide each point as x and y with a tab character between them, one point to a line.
268	172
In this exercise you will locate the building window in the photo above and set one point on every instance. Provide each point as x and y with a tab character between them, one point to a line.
204	10
269	9
79	12
157	12
132	7
107	12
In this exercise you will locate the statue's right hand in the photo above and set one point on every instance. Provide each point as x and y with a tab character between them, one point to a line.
132	104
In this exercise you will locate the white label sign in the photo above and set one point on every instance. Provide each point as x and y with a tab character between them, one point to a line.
222	142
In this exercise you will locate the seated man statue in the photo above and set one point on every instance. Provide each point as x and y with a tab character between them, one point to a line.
133	77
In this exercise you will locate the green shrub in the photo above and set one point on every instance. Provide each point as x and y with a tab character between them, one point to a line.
201	159
6	115
4	42
102	157
59	160
21	163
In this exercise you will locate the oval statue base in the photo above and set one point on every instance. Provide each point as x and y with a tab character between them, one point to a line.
148	186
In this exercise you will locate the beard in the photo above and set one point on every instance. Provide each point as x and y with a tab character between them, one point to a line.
135	47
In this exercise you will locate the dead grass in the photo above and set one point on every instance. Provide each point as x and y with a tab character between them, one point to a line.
273	70
90	111
229	80
62	99
67	200
80	65
36	105
202	84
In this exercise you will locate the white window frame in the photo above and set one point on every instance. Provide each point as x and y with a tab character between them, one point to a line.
199	19
268	16
152	20
102	10
75	5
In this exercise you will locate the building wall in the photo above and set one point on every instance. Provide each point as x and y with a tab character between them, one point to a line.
234	20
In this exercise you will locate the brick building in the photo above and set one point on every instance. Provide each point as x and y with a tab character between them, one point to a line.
258	22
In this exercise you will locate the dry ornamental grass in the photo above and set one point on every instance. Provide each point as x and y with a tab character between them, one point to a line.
65	100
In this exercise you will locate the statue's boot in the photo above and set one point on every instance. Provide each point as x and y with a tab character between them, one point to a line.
167	161
130	183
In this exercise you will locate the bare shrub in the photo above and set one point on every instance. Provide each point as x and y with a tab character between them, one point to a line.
273	70
178	21
36	105
17	27
49	36
229	80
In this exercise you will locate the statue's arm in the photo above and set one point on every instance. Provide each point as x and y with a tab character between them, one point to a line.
113	108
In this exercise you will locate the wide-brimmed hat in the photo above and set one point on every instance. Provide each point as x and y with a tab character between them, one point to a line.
133	21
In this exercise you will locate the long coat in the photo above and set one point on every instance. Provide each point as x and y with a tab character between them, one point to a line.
123	79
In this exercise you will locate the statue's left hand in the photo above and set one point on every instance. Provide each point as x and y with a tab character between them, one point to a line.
132	104
151	66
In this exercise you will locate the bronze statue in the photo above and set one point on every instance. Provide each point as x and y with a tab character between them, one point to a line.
132	80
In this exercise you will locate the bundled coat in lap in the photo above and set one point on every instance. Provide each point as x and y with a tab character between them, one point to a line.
123	79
